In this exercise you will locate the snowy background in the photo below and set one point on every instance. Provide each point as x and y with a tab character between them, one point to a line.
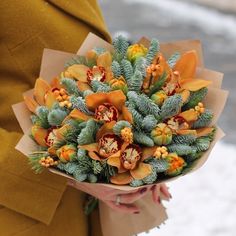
204	203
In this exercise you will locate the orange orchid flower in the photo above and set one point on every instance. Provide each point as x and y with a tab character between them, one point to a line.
126	157
109	106
84	75
44	94
183	78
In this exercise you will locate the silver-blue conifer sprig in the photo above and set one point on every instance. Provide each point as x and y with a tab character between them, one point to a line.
56	116
153	50
87	134
135	82
173	59
71	86
143	139
121	45
204	119
127	69
98	86
149	123
171	106
116	69
181	149
121	125
79	103
140	64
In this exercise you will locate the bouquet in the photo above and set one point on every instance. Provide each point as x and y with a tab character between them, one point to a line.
125	115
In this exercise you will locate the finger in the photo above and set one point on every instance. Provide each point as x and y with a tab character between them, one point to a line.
133	197
125	208
164	190
155	194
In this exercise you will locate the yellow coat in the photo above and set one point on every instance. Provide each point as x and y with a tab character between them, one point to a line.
30	204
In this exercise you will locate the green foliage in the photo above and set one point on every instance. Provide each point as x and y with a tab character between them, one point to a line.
116	69
42	117
81	154
121	45
107	171
142	138
153	50
78	175
98	86
171	106
80	60
141	65
79	103
87	134
121	125
144	104
97	167
159	165
70	136
195	98
173	59
149	123
92	178
71	87
87	92
137	117
70	167
211	136
135	82
150	179
158	85
147	107
202	144
127	69
184	139
192	157
34	159
181	149
56	116
132	97
136	183
204	119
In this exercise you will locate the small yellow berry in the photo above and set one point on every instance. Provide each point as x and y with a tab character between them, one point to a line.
202	110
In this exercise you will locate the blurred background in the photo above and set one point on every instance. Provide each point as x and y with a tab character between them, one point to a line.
203	203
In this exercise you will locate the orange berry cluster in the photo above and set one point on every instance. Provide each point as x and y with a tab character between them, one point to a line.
127	135
63	98
199	108
48	161
161	152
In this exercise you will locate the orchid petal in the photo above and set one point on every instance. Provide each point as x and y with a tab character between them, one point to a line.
121	179
142	171
186	65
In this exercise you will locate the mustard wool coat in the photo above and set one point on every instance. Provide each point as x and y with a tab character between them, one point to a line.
30	204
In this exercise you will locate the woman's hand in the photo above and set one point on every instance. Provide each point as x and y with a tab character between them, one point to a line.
120	200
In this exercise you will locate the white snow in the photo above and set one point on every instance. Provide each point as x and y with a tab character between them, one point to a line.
209	20
204	203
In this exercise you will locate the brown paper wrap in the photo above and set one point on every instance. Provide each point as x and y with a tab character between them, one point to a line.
152	215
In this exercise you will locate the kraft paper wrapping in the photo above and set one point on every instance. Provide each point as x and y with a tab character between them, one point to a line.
152	215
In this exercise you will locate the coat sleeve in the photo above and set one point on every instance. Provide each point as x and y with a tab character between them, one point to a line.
26	29
21	190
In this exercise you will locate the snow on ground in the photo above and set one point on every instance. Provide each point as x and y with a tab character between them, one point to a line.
204	203
209	20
